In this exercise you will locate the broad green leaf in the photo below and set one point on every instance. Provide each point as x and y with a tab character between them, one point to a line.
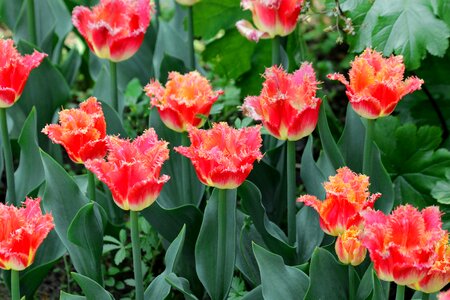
255	294
329	145
311	174
64	199
328	278
66	296
71	66
159	288
309	233
441	192
215	250
271	234
365	286
90	288
181	284
442	9
378	292
279	281
114	125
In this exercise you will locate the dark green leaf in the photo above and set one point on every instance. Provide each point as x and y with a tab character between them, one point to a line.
329	145
90	288
255	294
66	296
71	65
180	284
309	233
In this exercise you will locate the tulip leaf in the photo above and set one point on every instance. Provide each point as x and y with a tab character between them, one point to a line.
66	296
64	199
255	294
90	288
215	250
329	145
71	66
159	288
328	278
311	174
309	233
181	284
279	281
271	234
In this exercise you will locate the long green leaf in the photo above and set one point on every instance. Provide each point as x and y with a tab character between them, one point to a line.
90	288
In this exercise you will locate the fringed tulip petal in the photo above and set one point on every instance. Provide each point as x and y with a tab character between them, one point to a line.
349	247
22	230
246	29
223	156
81	131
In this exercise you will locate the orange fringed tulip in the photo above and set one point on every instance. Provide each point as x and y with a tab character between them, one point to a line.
223	156
376	84
184	100
347	194
114	29
287	106
271	18
22	231
349	247
81	131
132	170
408	246
14	71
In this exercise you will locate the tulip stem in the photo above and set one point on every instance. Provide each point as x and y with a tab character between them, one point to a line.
91	186
222	219
15	285
425	296
7	154
114	93
291	186
190	18
351	283
31	22
400	293
134	219
368	147
276	44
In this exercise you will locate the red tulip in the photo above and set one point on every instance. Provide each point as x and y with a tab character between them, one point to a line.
376	84
403	245
287	105
347	194
186	101
132	169
349	247
444	295
22	231
14	71
114	29
81	131
223	156
271	18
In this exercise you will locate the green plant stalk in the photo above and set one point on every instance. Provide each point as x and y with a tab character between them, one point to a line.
291	186
190	18
15	285
91	186
67	269
276	44
114	92
31	22
7	154
368	153
135	244
351	281
425	296
222	228
400	292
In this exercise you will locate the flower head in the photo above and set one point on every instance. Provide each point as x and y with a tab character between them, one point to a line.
81	131
349	247
376	84
184	101
403	245
223	156
347	194
14	71
132	169
113	29
287	106
271	18
444	295
22	231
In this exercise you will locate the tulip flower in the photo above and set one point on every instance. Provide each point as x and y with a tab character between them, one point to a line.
23	231
185	101
113	29
81	131
223	156
376	84
131	169
287	106
347	195
271	18
407	246
349	247
444	295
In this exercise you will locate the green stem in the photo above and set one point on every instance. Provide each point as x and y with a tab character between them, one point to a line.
400	293
134	218
15	285
190	19
7	154
425	296
367	162
67	269
222	231
352	283
31	22
291	186
276	44
91	186
114	93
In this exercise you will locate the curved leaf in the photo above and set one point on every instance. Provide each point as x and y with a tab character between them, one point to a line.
90	288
